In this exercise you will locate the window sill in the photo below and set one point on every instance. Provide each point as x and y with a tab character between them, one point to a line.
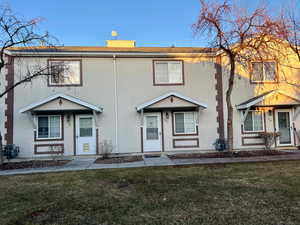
169	84
64	85
49	139
184	134
252	132
264	82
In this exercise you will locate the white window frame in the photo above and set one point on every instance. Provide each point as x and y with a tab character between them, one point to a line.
264	74
48	138
156	83
65	83
184	133
263	119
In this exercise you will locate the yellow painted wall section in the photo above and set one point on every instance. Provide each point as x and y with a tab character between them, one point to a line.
120	43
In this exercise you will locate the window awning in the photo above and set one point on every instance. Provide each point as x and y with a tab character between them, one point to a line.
60	102
270	99
171	100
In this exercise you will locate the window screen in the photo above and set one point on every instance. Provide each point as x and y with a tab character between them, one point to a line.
168	72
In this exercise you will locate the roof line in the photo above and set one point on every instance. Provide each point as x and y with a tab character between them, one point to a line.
255	101
53	97
94	53
155	100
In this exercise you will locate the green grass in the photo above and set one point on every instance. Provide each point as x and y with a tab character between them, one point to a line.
254	194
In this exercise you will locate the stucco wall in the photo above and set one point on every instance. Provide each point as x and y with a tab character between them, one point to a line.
2	103
97	89
60	104
288	73
134	86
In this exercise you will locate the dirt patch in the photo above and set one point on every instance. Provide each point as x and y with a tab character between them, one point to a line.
125	159
229	154
32	164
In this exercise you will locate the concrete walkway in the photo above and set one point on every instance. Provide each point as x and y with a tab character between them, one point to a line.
88	163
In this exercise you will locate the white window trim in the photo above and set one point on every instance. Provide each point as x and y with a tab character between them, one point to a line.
65	84
48	138
184	133
168	83
263	123
264	74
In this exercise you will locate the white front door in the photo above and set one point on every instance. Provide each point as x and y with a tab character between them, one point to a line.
152	132
85	135
283	124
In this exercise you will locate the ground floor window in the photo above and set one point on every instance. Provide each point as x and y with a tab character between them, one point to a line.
185	123
253	121
49	127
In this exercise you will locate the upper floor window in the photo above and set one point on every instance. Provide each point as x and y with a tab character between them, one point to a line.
254	121
49	127
263	72
168	72
185	123
65	72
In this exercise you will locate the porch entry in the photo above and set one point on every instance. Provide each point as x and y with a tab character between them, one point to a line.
283	125
85	135
152	132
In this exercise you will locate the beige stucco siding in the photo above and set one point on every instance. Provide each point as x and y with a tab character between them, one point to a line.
288	73
97	89
2	103
134	86
242	91
172	102
60	104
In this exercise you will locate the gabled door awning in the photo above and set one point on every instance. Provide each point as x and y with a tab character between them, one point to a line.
270	99
171	100
60	102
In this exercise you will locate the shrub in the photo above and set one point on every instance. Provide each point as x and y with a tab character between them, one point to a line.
269	138
106	148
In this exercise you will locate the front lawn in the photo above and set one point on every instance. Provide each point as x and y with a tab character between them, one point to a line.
237	194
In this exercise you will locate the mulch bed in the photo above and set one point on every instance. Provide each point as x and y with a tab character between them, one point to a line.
32	164
229	154
152	156
125	159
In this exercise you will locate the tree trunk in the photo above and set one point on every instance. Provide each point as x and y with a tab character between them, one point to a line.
1	152
229	104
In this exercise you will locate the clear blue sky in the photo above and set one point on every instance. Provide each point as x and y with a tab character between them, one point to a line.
90	22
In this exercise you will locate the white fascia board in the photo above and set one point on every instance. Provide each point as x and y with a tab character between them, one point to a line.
245	106
254	102
133	54
153	101
50	98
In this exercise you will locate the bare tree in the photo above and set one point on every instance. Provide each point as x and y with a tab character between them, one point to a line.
241	35
290	26
18	32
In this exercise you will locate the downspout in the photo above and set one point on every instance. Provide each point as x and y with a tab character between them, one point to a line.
116	101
